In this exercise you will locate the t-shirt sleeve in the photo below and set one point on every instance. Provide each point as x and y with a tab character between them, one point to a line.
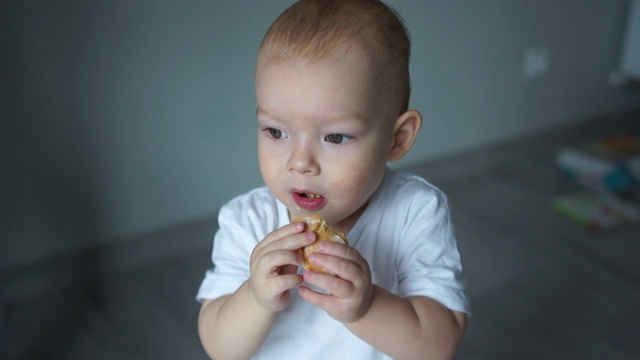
430	265
231	254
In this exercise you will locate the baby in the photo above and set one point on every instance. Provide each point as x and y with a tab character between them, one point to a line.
332	91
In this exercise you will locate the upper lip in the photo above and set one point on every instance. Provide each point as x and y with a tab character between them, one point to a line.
302	191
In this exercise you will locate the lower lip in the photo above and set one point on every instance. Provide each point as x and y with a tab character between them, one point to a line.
308	203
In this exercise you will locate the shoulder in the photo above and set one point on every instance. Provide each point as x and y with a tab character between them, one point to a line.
412	205
259	199
406	189
256	209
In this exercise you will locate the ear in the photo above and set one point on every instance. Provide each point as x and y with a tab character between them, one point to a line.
405	131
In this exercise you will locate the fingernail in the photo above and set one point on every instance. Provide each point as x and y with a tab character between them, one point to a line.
299	226
311	236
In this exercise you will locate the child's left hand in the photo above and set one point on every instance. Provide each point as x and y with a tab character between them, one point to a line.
350	290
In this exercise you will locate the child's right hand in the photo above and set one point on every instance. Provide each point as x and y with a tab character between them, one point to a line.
274	265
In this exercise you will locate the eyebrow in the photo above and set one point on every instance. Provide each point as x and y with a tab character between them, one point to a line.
261	111
349	116
335	119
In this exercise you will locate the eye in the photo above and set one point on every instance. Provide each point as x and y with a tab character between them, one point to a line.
275	133
337	138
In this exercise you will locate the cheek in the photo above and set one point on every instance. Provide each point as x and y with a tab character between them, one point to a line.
359	178
268	168
267	163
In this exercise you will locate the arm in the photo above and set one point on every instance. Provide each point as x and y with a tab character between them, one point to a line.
403	328
235	326
229	321
410	328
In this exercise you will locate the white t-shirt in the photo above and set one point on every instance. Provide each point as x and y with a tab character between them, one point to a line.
405	234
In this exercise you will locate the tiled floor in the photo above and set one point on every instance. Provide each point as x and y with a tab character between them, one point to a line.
540	286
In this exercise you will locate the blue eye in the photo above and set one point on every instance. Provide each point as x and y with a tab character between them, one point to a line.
337	138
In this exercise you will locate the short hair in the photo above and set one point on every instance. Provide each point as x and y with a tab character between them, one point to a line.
317	29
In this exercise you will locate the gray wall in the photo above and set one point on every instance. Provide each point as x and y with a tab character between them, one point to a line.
123	117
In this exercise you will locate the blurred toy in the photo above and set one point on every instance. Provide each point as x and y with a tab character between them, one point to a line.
610	164
595	210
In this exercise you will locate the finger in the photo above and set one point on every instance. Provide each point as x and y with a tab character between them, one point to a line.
282	283
342	267
282	232
339	250
291	242
275	292
318	299
270	262
336	286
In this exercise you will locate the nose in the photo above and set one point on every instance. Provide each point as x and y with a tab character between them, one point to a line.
303	160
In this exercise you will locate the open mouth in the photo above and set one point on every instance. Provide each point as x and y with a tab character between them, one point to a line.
308	200
309	195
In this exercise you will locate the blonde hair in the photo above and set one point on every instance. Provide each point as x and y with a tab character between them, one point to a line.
318	29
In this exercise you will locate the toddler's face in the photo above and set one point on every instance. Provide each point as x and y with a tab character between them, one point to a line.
323	138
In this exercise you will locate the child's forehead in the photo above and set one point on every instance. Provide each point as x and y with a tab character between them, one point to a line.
313	80
352	64
316	77
314	104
